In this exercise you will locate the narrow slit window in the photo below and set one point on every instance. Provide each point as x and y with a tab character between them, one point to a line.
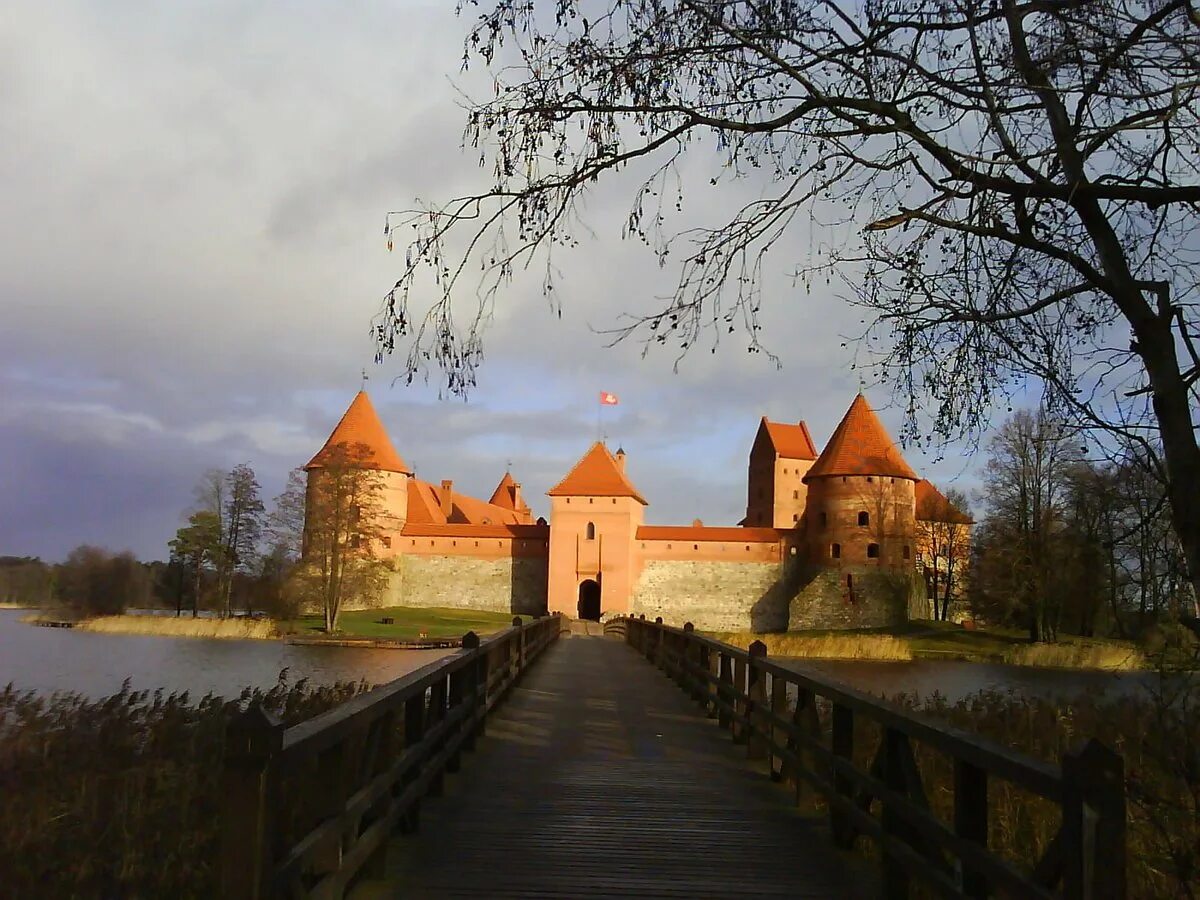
591	531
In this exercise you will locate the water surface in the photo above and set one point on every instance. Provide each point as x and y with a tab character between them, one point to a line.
65	659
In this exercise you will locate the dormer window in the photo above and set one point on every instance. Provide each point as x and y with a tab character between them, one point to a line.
591	531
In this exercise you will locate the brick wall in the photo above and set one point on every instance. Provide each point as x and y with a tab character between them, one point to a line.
713	595
501	585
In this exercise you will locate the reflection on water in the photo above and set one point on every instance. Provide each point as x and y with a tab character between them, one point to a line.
61	659
956	679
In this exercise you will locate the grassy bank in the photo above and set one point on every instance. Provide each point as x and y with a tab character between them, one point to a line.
6	605
408	623
170	626
941	640
824	646
119	797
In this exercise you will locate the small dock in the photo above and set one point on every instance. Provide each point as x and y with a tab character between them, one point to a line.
379	643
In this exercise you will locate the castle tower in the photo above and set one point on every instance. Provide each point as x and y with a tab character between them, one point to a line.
861	498
360	440
780	457
595	513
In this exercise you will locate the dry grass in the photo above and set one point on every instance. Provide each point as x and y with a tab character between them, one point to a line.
4	604
1112	657
825	646
169	626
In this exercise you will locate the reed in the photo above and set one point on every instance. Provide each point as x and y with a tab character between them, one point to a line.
118	797
170	626
825	646
1110	657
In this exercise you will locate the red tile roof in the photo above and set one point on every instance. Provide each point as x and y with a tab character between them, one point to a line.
506	493
596	475
706	533
360	425
461	529
790	441
932	506
860	446
425	508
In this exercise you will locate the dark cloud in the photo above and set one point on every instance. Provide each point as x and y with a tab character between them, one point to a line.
191	254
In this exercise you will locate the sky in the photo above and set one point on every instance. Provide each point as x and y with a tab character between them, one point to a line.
192	251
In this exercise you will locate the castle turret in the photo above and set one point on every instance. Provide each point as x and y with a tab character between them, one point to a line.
861	497
360	440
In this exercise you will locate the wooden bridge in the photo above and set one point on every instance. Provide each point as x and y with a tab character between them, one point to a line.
600	777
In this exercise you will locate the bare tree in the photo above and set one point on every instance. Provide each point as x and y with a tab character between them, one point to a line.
1020	181
197	545
943	545
342	531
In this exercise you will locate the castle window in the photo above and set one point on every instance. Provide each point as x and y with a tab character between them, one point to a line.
869	479
785	470
792	551
387	542
795	495
835	550
906	551
795	517
695	546
591	531
354	540
614	501
354	514
872	551
864	518
591	499
824	520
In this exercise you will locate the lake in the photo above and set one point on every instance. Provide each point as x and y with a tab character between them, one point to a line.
63	659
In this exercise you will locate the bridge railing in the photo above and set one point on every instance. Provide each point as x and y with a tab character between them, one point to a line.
305	810
806	729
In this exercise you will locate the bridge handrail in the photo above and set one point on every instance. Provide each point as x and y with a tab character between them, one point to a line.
773	710
305	809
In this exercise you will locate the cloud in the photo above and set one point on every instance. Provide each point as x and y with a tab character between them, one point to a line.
192	253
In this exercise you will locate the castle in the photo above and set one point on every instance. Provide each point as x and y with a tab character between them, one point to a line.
829	539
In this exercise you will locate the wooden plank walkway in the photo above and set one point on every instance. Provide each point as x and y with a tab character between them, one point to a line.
598	778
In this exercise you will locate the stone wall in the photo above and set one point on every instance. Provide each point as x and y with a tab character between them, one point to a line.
501	585
713	596
820	598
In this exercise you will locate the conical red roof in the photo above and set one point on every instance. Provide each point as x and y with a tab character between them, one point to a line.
596	475
506	493
360	425
860	446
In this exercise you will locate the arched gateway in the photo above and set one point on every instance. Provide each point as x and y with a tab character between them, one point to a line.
589	600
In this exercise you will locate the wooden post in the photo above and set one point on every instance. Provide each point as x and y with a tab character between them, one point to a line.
779	707
707	689
658	643
843	748
520	645
895	876
1093	829
971	820
739	699
688	677
724	687
756	702
249	783
414	732
437	712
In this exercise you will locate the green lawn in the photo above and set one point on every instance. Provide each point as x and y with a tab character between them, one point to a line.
409	622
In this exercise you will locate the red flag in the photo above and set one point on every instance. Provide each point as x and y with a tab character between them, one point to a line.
607	399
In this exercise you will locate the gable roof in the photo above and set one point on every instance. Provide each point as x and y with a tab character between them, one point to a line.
425	508
860	445
787	440
596	475
360	425
932	506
